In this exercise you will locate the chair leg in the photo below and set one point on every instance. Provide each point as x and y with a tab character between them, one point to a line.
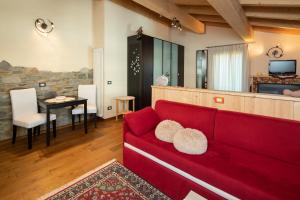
29	135
14	134
79	118
73	122
38	130
54	128
34	131
95	120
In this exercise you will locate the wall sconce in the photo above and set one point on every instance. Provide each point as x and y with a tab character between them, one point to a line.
175	23
44	25
275	52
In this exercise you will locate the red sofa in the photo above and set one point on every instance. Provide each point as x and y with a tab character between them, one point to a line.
248	156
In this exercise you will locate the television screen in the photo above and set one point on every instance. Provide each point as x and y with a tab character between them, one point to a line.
282	67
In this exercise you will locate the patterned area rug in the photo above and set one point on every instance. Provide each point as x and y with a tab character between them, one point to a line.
109	181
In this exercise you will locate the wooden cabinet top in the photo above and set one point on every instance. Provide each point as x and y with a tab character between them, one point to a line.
245	94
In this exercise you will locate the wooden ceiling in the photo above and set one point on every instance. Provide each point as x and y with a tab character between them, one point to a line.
267	15
243	16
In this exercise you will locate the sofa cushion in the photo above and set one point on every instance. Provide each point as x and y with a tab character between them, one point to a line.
142	121
236	171
189	116
166	130
272	137
190	141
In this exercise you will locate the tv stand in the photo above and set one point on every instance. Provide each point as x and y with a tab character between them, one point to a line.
273	80
284	76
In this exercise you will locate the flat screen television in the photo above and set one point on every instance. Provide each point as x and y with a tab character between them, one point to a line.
282	67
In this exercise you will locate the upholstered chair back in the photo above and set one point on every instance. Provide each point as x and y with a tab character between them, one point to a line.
88	92
24	102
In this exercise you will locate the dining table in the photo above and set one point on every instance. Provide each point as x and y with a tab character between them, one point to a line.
51	104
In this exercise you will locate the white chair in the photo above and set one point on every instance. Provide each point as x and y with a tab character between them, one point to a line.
88	92
25	113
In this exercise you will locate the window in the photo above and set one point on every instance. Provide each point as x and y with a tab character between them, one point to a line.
227	68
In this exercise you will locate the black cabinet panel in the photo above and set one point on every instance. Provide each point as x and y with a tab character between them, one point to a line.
141	66
180	65
135	71
147	43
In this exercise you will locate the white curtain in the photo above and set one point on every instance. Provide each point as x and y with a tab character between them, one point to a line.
228	68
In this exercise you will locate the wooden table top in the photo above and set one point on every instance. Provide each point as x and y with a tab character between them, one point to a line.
125	98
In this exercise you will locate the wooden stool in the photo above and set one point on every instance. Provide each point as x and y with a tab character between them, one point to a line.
124	100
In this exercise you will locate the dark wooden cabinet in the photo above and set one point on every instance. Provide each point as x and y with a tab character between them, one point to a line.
149	58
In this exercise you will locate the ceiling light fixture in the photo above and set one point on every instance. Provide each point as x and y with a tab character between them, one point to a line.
175	23
44	25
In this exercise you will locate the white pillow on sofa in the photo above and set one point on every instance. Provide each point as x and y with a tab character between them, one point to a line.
190	141
166	130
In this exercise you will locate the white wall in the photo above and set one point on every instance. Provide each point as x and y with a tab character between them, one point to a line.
264	41
98	23
119	23
67	48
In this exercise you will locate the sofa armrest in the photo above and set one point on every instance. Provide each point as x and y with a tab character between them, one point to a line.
125	129
142	121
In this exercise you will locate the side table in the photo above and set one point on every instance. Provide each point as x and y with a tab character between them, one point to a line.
124	101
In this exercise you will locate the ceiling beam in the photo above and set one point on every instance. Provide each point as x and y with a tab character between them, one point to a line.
142	10
217	24
273	13
200	10
275	23
191	2
276	30
232	12
169	10
280	3
210	18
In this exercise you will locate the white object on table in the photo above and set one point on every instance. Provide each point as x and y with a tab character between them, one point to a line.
60	99
194	196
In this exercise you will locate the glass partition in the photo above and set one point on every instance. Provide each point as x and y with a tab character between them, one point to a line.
201	69
174	65
158	59
167	60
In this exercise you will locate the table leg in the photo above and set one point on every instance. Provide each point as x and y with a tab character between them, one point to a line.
14	134
85	117
133	105
54	128
73	119
127	105
34	131
117	109
29	137
48	127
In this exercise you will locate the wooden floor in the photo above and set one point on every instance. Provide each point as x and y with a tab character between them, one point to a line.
28	174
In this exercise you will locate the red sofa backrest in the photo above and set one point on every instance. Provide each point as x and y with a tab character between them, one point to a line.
277	138
189	116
